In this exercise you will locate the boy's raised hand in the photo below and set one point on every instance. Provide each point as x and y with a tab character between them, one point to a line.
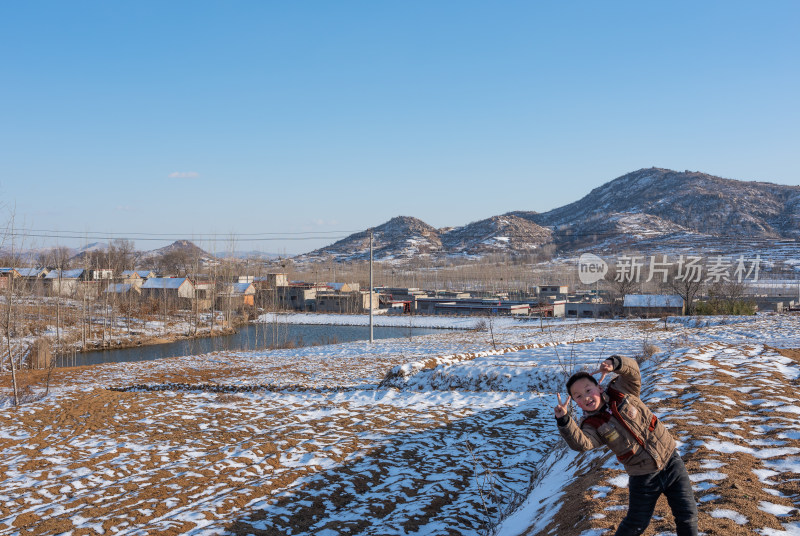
604	368
562	408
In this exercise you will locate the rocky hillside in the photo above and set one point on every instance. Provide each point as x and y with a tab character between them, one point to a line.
680	202
498	234
648	208
405	238
400	237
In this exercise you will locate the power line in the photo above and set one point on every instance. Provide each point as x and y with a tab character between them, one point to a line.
60	231
173	237
560	237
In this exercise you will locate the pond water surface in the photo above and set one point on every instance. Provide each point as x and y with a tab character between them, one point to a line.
251	337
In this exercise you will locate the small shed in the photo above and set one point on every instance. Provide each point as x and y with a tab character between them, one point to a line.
652	305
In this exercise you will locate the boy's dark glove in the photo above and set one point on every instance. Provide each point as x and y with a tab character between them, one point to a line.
563	420
616	361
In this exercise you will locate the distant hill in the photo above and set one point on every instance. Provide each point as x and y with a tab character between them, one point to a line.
90	249
405	238
649	209
400	237
184	248
653	207
180	251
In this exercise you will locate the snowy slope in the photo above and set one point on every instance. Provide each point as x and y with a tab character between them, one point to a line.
305	441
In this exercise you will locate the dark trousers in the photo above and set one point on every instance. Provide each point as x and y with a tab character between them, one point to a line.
644	490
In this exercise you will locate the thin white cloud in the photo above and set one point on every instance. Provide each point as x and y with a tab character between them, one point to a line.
184	175
323	223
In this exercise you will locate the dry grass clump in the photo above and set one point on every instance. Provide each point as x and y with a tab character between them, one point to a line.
647	351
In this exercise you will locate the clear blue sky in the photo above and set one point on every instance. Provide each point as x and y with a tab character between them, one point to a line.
195	119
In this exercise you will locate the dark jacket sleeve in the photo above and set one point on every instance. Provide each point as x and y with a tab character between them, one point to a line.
629	379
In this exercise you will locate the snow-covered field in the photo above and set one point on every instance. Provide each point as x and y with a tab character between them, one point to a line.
441	434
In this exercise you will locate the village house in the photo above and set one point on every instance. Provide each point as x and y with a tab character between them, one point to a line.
236	295
267	293
174	291
481	308
404	297
298	295
346	302
427	304
63	282
125	290
32	280
546	310
33	273
7	275
278	280
344	287
588	309
97	275
136	277
552	292
130	277
205	292
451	294
271	281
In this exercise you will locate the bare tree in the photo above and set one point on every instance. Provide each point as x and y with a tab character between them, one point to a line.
121	255
177	262
56	257
620	285
727	297
686	284
7	318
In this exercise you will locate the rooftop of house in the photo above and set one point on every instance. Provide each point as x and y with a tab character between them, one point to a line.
652	300
164	283
65	274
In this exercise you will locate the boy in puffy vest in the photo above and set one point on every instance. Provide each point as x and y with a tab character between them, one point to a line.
617	418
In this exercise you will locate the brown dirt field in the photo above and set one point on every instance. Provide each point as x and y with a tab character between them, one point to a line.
136	487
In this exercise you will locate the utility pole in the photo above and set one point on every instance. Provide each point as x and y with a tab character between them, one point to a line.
370	286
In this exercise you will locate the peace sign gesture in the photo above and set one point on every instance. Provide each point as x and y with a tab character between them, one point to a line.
562	408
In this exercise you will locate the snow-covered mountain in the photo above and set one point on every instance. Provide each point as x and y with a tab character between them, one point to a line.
405	238
695	202
651	208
